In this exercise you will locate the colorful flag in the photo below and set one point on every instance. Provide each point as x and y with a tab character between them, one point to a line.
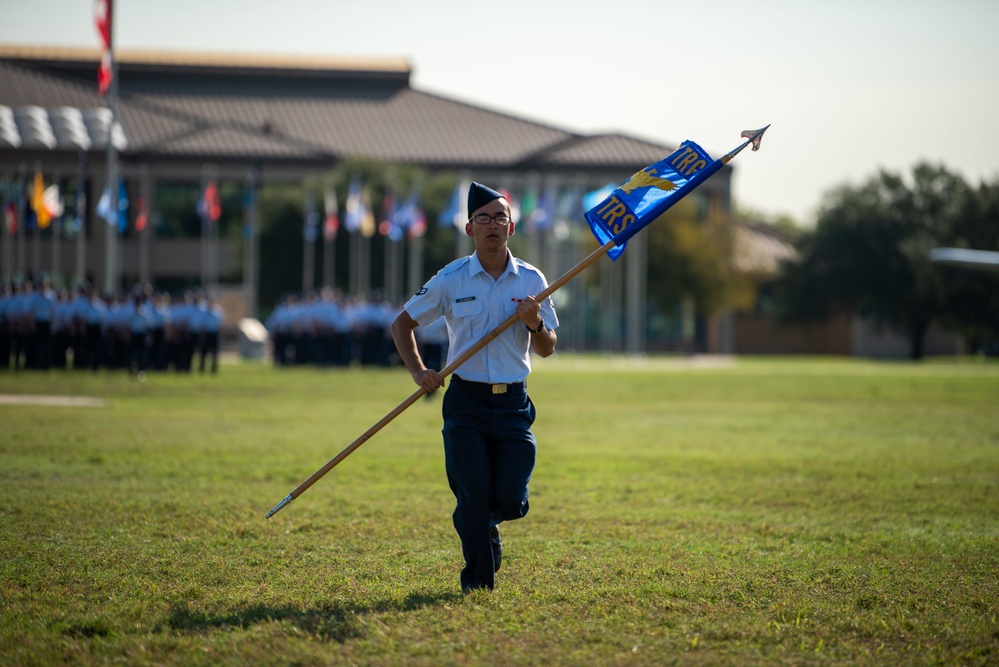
102	20
419	226
209	204
568	206
367	215
456	212
142	214
447	215
105	209
528	204
411	217
512	201
332	211
648	194
122	207
352	219
544	213
52	201
38	202
567	209
387	227
104	74
116	216
10	217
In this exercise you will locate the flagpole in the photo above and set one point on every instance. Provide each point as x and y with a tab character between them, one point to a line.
213	236
111	237
308	247
55	224
447	370
80	204
329	261
203	215
415	266
143	209
8	237
468	354
20	233
753	137
329	239
365	276
249	241
36	233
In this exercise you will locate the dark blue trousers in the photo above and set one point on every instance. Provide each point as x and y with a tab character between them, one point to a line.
489	455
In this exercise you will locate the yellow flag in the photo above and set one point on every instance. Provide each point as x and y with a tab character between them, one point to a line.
367	215
38	202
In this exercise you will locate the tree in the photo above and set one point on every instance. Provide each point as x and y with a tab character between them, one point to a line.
972	296
692	261
869	252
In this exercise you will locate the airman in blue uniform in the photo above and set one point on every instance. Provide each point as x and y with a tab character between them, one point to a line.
489	449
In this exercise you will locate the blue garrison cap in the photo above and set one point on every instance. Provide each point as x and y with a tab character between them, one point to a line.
480	195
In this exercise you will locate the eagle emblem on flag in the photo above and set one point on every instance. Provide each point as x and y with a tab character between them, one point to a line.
644	179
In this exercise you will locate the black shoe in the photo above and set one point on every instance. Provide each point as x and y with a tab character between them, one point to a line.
497	547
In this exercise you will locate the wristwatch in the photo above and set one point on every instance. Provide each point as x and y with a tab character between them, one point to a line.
540	328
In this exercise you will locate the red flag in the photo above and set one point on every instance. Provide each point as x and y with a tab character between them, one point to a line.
388	215
215	209
411	217
418	227
102	20
143	215
10	213
210	206
332	215
104	74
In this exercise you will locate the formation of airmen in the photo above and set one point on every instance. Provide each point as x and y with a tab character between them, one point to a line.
325	328
42	328
142	330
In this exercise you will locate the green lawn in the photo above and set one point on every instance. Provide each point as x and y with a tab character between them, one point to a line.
761	511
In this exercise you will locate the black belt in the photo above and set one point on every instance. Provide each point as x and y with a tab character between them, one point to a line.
499	388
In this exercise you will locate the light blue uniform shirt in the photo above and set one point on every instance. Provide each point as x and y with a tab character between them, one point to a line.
138	318
43	306
473	304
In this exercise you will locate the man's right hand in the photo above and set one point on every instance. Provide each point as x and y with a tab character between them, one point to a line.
429	379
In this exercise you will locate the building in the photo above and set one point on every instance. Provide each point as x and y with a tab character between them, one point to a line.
758	251
259	119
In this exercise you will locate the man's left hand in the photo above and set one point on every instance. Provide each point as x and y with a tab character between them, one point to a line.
529	311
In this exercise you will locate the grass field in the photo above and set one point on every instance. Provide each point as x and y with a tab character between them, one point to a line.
807	511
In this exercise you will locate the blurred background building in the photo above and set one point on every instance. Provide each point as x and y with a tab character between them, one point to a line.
192	122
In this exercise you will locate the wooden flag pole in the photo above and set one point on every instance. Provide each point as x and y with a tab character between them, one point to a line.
447	370
753	138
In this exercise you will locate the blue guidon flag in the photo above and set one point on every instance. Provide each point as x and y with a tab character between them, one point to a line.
648	194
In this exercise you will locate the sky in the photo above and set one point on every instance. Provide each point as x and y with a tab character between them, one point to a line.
849	87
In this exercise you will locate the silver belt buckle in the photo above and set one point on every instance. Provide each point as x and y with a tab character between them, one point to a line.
499	388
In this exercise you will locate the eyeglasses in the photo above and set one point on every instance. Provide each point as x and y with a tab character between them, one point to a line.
482	219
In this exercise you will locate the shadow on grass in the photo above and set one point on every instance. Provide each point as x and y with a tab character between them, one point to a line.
332	623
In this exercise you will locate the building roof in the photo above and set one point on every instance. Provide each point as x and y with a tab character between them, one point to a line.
220	107
759	248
